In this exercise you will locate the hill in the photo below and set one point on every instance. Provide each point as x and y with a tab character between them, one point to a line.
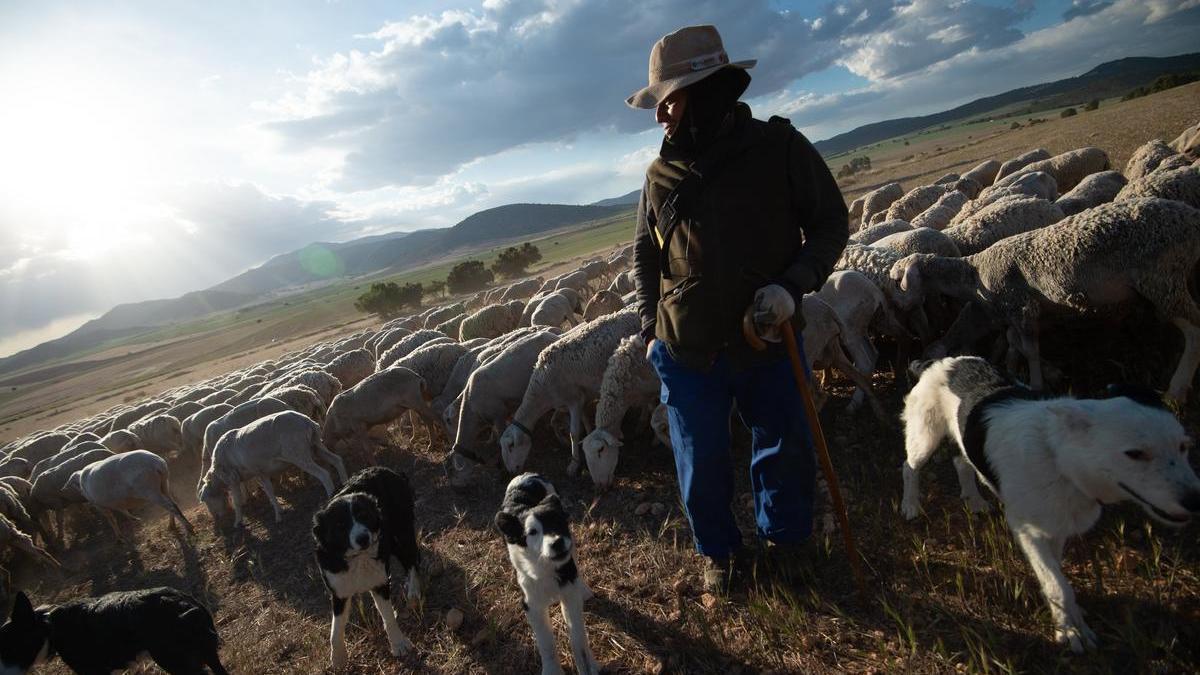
630	199
1113	78
315	263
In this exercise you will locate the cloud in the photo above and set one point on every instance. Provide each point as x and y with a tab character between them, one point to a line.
1084	8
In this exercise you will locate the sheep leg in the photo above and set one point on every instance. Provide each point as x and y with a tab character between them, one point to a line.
864	361
1181	381
842	363
112	522
165	501
365	449
310	467
238	496
1030	347
269	490
576	412
330	458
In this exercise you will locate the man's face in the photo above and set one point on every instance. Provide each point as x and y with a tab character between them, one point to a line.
670	111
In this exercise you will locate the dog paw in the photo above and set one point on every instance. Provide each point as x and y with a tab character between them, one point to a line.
1078	638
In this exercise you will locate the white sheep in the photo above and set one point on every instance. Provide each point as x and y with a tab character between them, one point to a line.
300	398
622	283
919	240
873	233
385	340
1068	168
915	201
855	213
494	390
49	493
1002	219
123	481
184	410
567	375
577	280
629	380
441	314
11	535
408	345
603	302
1146	158
863	310
327	386
235	419
1181	185
1104	256
1096	189
1017	163
939	215
554	310
1188	142
491	321
1173	162
259	451
160	434
351	367
522	290
192	429
451	326
380	399
37	448
878	200
825	336
984	173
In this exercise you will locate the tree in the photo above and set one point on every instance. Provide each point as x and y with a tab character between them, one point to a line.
436	288
513	261
468	277
1069	112
1092	104
386	299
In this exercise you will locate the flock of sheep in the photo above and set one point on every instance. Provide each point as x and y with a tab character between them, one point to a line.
981	261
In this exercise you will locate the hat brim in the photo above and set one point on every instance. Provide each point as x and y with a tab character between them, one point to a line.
648	98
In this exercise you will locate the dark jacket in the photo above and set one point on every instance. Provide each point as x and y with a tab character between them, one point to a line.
770	213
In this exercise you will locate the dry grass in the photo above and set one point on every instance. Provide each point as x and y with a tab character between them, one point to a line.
948	591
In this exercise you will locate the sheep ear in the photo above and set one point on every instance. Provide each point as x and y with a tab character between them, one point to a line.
511	528
910	279
22	611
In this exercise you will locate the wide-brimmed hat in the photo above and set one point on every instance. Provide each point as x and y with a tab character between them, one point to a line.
688	55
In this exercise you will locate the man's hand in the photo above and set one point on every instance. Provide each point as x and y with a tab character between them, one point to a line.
772	306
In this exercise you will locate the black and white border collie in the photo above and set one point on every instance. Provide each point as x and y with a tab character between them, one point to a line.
1052	461
364	534
540	547
111	632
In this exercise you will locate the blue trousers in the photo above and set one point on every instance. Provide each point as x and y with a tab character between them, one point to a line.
782	464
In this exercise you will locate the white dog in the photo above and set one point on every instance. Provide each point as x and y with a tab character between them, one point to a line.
535	529
1052	461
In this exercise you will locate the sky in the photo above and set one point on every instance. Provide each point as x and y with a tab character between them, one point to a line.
150	148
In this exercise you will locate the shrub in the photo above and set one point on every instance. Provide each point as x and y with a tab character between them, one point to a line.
468	277
1015	125
513	261
1069	112
386	299
1092	104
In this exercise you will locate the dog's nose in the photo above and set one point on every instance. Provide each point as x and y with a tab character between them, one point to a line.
363	540
559	546
1191	502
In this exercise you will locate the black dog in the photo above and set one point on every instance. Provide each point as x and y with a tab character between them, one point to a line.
109	633
365	532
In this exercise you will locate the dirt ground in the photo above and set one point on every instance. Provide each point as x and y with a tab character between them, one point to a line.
947	591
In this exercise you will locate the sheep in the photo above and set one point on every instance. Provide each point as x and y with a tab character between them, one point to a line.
603	302
441	314
915	201
300	398
121	481
1017	163
567	375
181	411
919	240
327	386
407	345
1188	142
196	394
219	396
385	340
1070	167
596	269
261	450
1096	189
36	449
50	494
451	326
351	367
947	179
522	290
1173	162
494	389
447	402
984	173
863	309
11	535
433	362
63	455
876	264
192	429
577	280
160	434
622	283
554	310
1181	185
939	215
491	321
12	506
872	233
1105	256
1039	184
878	201
235	419
629	380
380	399
855	215
1146	158
1002	219
1034	183
823	336
14	466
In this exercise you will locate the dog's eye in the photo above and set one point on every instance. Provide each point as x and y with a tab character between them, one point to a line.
1137	455
533	533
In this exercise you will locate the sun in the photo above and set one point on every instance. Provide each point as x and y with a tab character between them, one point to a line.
71	161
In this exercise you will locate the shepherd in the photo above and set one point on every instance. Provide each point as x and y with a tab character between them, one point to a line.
734	212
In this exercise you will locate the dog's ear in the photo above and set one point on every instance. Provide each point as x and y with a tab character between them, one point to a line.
22	611
511	528
1071	419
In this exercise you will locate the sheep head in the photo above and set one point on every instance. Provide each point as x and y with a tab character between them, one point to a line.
906	272
514	448
602	451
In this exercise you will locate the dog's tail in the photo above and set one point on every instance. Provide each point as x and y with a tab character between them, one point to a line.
918	366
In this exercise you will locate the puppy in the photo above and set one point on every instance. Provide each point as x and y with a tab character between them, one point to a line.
364	533
111	632
540	547
1052	461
